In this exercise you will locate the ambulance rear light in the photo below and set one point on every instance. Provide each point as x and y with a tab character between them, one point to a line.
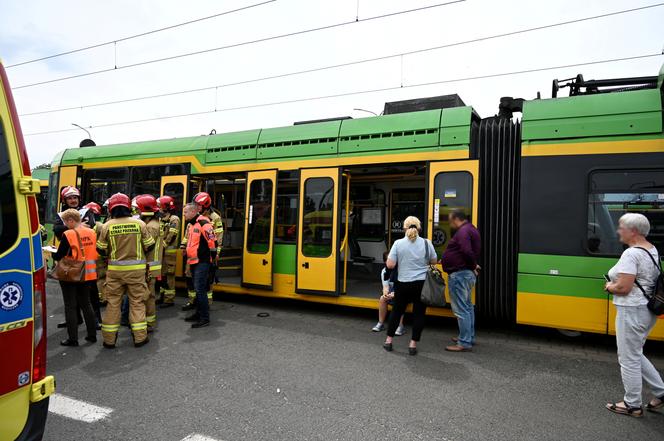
39	297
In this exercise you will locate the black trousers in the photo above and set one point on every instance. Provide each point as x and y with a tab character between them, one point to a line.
77	295
94	300
405	293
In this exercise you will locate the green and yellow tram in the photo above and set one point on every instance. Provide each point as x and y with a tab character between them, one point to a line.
309	209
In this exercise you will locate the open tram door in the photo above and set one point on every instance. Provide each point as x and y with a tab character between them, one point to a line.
176	187
258	229
318	232
451	185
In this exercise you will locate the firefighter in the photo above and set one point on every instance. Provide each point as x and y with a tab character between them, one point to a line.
204	201
71	198
201	251
125	241
170	235
147	207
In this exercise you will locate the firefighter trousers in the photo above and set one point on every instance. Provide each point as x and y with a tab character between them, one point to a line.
168	277
150	303
135	285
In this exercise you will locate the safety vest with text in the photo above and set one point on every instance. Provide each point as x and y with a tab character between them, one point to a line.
89	254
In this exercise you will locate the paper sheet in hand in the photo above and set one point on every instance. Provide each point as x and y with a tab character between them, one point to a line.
50	249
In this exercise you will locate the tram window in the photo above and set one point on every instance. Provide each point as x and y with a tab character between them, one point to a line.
176	191
147	180
318	205
286	216
99	185
260	216
616	192
53	193
452	191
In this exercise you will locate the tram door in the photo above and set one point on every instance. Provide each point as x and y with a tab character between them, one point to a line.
67	176
452	185
258	229
318	232
176	187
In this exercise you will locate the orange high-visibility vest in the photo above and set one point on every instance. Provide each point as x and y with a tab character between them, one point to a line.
89	242
203	228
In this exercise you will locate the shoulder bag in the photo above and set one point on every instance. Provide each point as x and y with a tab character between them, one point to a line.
433	291
656	299
69	269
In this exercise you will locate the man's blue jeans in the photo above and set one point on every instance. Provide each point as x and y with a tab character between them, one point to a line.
200	274
461	286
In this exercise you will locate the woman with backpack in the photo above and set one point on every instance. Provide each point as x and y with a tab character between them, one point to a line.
635	274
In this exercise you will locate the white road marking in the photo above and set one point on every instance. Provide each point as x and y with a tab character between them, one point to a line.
76	409
198	437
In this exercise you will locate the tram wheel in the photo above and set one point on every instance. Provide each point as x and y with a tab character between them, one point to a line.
569	333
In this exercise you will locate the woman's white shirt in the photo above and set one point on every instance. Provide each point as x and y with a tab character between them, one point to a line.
635	261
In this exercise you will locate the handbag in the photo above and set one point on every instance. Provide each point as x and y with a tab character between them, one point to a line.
656	299
69	269
433	290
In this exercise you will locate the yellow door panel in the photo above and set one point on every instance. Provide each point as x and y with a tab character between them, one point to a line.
258	229
452	185
317	253
67	177
176	187
564	312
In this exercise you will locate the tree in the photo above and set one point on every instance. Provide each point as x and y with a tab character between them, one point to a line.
43	166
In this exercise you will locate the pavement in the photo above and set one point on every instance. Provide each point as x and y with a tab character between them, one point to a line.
315	372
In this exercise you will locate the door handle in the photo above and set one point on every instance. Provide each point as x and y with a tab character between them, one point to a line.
305	265
264	262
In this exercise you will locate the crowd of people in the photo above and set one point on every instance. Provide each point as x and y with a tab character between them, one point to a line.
128	259
132	255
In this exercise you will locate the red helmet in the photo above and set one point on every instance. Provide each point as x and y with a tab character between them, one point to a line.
203	199
69	191
119	200
146	204
94	207
166	202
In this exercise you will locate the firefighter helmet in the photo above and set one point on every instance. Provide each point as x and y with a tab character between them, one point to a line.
94	207
203	199
146	204
69	191
119	200
166	202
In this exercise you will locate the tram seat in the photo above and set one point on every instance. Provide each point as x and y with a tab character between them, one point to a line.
356	254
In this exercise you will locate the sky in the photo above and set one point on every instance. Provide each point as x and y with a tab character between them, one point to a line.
35	29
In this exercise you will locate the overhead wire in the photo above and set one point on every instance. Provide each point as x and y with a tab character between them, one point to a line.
235	45
340	65
344	94
142	34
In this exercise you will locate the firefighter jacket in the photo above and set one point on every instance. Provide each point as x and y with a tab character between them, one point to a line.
170	233
154	256
125	240
84	250
201	241
101	259
217	225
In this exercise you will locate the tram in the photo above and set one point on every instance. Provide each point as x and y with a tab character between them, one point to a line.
310	208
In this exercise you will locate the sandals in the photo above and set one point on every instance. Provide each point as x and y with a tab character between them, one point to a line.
651	407
625	409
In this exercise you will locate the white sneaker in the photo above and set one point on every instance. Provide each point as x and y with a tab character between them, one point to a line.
379	327
401	330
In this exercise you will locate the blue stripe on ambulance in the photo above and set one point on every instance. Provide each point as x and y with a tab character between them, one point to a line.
16	284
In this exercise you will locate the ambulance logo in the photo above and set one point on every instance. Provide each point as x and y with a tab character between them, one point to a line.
11	296
23	378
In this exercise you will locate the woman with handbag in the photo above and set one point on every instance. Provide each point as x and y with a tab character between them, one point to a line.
410	253
76	267
631	278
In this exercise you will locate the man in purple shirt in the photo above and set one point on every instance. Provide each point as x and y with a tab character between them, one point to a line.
460	263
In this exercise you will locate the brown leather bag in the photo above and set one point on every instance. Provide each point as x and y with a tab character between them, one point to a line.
69	269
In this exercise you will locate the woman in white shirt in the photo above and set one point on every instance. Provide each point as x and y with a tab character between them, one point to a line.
630	277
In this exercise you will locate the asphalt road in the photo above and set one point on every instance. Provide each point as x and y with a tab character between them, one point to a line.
315	373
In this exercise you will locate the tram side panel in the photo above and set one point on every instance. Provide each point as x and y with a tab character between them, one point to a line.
570	205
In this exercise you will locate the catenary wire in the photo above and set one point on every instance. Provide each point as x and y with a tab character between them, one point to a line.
235	45
383	89
142	34
340	65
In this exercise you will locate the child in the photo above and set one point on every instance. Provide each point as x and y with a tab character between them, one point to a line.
387	278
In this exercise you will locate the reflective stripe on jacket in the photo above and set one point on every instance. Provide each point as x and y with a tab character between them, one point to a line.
89	254
153	256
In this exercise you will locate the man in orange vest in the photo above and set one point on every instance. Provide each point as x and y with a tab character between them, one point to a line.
126	241
201	251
